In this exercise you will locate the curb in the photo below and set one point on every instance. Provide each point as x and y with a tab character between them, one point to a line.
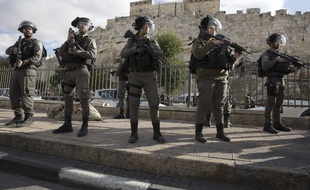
35	165
39	169
71	175
233	173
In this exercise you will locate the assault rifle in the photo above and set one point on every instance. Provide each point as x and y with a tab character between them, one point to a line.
294	60
72	42
59	58
239	49
19	51
150	48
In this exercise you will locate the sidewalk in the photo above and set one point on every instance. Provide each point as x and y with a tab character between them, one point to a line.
253	157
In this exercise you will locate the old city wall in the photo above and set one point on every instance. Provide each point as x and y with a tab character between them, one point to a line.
247	29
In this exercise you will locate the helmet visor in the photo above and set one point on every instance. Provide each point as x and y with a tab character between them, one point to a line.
214	23
281	40
81	23
150	24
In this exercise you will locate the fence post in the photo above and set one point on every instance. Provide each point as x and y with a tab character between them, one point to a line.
189	92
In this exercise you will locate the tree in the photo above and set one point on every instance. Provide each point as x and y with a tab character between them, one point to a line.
4	62
172	78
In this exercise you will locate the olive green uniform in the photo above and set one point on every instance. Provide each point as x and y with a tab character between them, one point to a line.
77	74
212	83
23	79
141	67
275	86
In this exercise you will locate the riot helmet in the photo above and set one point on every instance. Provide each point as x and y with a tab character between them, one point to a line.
209	21
141	21
27	23
82	20
277	37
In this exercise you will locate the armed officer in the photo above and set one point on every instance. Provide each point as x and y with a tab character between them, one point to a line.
140	50
23	79
78	54
213	63
123	87
275	68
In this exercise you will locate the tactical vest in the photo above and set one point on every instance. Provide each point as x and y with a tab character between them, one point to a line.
27	49
27	52
219	57
141	60
83	43
280	67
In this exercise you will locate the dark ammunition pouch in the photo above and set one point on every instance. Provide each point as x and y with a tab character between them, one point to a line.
143	60
217	58
282	67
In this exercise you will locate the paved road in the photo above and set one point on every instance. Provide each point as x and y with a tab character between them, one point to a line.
15	181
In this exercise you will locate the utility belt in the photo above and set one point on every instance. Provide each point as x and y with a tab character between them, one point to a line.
141	69
25	67
73	67
278	75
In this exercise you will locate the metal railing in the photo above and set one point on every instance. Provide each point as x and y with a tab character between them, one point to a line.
175	83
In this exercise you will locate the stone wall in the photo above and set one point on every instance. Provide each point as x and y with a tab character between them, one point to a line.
247	29
149	8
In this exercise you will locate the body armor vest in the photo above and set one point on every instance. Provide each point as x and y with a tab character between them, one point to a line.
219	57
280	67
83	42
141	60
27	51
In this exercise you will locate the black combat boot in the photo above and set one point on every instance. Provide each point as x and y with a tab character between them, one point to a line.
157	135
83	131
268	128
198	133
134	132
220	133
27	120
207	121
127	113
17	119
279	126
121	114
66	127
227	123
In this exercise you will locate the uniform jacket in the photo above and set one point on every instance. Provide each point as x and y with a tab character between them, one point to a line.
274	67
31	51
87	49
131	50
200	49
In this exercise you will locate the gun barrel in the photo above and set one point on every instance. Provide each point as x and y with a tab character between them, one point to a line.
19	53
221	37
296	62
